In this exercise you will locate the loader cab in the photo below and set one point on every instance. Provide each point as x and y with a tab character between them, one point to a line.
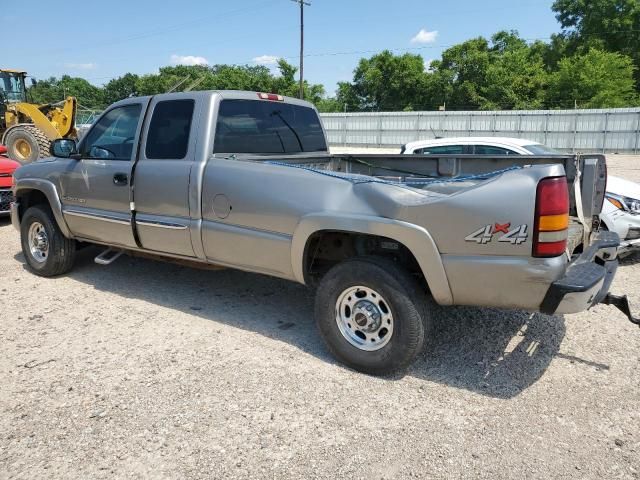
12	86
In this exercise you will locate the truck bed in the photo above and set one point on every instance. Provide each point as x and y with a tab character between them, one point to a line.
442	174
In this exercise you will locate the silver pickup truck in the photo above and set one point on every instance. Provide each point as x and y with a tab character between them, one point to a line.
245	180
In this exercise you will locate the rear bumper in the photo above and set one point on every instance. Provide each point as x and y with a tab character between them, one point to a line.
587	279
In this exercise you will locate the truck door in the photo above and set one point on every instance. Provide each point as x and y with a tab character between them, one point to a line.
161	178
95	189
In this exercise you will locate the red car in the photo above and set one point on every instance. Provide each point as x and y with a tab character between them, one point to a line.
7	167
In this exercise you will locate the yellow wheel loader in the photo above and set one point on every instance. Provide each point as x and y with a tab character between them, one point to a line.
27	129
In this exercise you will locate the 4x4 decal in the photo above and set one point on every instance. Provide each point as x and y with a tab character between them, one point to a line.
515	236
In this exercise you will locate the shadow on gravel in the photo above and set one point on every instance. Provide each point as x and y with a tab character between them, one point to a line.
488	351
629	260
494	352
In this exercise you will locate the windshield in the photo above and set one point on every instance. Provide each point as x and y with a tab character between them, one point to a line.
539	149
12	87
259	127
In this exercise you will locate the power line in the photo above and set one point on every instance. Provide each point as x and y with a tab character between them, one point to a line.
361	52
427	47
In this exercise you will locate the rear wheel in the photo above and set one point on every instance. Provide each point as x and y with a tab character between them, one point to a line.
371	314
26	144
47	251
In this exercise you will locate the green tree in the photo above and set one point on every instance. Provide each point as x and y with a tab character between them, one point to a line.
388	82
329	105
515	77
596	79
612	25
120	88
503	73
463	73
55	90
347	98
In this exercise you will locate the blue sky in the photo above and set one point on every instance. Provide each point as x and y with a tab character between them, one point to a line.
139	36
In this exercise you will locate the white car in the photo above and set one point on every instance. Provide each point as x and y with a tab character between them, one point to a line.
620	213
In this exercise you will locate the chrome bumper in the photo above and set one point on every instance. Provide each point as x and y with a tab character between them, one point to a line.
587	280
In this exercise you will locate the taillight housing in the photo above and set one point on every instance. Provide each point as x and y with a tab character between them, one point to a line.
551	228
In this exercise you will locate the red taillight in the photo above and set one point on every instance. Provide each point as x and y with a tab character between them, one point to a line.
271	96
551	218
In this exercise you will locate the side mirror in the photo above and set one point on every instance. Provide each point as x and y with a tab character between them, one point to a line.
34	82
65	148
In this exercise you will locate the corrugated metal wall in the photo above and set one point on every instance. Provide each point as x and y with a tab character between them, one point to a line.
607	130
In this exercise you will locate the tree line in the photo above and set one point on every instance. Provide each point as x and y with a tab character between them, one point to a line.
594	62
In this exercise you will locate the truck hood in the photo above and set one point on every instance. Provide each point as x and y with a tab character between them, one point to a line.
8	166
622	187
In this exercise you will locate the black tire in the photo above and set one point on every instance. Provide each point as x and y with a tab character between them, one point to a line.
406	301
25	144
61	251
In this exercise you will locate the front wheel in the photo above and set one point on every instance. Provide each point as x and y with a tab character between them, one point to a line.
370	313
47	251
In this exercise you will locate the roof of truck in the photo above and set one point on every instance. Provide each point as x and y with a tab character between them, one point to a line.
225	94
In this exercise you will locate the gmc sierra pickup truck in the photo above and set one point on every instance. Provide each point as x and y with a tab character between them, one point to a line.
245	180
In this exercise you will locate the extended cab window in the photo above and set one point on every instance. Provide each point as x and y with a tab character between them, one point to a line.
262	127
112	136
168	136
441	150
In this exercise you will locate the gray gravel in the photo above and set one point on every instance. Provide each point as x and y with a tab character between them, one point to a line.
145	369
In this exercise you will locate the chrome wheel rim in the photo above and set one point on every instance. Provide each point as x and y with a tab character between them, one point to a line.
364	318
22	149
38	242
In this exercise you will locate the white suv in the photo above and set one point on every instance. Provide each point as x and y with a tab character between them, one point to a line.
620	213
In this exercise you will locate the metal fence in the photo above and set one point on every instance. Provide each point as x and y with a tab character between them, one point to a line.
605	130
86	116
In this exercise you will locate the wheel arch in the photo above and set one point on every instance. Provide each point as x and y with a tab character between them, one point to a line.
33	191
417	241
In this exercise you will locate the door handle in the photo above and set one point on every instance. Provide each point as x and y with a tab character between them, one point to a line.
120	179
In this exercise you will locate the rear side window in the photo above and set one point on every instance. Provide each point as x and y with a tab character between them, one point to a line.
168	136
441	150
489	150
262	127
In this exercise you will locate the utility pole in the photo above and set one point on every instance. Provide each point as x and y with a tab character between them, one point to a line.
302	4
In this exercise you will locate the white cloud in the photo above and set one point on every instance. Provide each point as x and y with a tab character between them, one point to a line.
188	60
81	66
424	36
266	60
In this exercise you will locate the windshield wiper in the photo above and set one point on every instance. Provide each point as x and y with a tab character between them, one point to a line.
279	115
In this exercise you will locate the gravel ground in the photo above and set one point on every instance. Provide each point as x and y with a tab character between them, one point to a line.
145	369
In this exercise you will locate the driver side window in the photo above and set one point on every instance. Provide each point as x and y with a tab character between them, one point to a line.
111	138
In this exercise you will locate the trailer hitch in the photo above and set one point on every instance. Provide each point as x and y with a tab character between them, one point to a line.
621	302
